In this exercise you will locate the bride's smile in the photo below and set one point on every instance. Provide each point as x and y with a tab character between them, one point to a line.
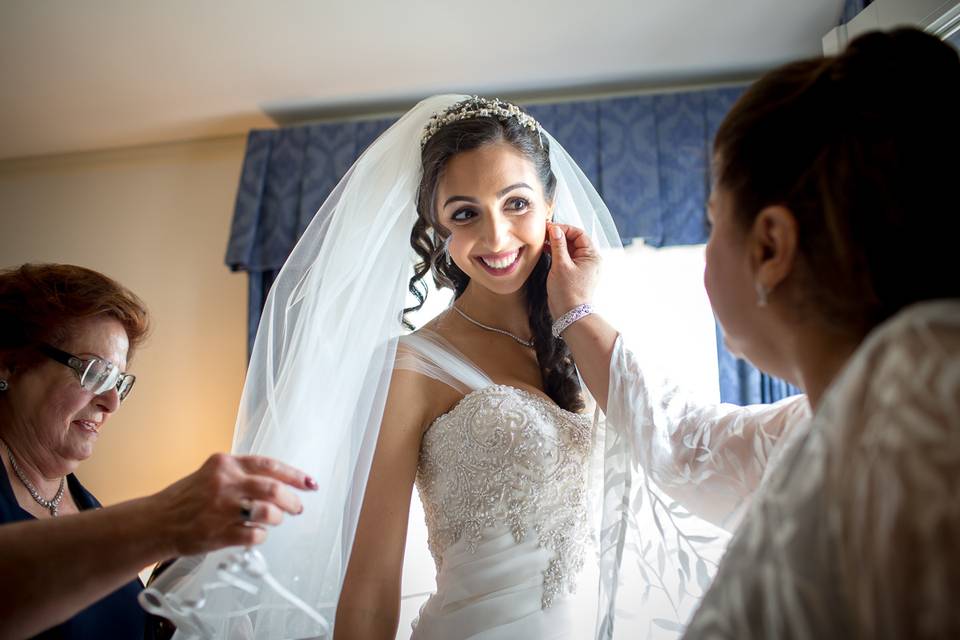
491	201
501	264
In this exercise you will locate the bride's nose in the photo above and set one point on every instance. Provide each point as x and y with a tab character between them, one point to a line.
496	231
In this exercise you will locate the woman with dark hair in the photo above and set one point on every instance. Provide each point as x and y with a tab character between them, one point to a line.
483	203
830	264
67	335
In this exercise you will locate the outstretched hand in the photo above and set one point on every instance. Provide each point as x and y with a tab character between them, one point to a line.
227	502
574	269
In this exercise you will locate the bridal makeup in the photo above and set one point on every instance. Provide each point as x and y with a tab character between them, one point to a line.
491	201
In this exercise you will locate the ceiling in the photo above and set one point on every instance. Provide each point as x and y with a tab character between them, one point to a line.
97	74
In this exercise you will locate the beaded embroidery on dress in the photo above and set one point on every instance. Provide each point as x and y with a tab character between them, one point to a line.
505	456
503	478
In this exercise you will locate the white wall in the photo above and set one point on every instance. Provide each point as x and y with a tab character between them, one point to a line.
156	219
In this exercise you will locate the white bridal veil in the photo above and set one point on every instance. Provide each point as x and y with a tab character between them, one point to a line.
315	393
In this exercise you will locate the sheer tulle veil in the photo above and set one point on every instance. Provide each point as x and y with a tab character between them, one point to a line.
315	392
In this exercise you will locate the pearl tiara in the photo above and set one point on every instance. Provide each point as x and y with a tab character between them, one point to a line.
477	107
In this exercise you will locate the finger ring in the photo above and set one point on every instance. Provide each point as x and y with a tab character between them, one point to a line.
246	509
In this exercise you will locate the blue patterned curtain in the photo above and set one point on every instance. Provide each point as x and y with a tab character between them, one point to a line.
648	156
851	8
954	40
742	383
287	174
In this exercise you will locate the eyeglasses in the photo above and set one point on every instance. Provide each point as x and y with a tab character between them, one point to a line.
96	376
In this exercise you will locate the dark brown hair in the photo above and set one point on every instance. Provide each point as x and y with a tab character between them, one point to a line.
863	149
43	302
556	363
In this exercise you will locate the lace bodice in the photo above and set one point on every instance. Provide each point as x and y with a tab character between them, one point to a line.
504	456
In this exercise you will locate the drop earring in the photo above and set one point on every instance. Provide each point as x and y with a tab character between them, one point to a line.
762	294
446	250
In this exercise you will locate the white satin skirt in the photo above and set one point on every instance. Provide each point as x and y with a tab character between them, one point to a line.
496	593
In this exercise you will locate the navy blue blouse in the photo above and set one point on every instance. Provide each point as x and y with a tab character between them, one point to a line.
117	616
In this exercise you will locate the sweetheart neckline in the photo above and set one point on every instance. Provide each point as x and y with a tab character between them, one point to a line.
547	402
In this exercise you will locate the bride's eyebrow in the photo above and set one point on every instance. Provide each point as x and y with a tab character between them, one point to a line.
500	194
519	185
460	199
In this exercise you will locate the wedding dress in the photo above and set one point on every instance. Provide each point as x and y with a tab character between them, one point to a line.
504	481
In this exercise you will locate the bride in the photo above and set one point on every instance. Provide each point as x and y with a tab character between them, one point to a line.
483	408
540	525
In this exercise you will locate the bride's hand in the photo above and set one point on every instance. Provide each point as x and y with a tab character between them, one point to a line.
227	502
574	271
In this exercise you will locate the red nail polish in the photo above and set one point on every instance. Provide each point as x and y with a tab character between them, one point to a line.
311	483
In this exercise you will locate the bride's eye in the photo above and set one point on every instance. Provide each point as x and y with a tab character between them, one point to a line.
518	205
463	215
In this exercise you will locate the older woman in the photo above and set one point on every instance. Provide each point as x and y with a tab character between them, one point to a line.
831	263
66	338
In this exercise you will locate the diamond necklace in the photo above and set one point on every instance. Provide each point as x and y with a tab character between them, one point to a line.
54	503
527	343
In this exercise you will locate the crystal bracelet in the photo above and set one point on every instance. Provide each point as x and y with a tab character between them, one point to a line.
567	319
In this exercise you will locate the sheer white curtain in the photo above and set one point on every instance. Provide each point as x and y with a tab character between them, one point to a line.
656	299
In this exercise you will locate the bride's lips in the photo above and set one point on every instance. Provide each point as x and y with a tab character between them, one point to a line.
500	264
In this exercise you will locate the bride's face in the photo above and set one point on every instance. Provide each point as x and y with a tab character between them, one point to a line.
492	203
